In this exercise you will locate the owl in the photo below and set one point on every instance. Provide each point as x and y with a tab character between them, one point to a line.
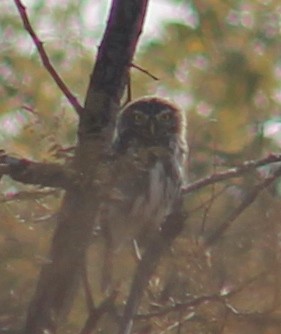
148	170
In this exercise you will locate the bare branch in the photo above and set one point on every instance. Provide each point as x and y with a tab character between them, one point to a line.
208	201
248	200
37	173
194	301
45	59
144	71
161	242
246	167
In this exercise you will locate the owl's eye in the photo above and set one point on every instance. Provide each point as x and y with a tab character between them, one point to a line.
139	117
164	117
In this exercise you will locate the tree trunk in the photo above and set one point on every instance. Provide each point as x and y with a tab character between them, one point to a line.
58	280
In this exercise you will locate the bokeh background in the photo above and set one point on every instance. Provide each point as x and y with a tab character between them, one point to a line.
221	62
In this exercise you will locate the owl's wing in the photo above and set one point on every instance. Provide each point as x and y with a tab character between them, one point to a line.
140	192
147	188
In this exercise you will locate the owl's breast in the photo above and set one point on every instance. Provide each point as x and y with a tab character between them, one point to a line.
142	190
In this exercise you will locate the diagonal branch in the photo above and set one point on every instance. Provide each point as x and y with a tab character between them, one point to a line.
45	59
161	242
143	70
248	200
245	167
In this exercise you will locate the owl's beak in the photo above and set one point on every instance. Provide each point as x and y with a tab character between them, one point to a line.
152	128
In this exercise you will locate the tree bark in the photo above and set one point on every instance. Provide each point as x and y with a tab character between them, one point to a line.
59	279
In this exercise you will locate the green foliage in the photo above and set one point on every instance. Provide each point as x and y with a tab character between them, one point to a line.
222	65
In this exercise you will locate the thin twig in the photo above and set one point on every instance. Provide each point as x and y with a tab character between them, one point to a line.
211	199
195	301
45	59
144	71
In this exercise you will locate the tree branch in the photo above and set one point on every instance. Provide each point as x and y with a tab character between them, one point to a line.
248	200
45	59
37	173
161	242
194	301
238	171
58	176
143	70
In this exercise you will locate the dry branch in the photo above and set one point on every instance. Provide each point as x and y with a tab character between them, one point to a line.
160	243
143	70
194	301
45	59
37	173
237	171
247	201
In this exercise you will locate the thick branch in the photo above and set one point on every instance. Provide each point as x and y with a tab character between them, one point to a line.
45	59
44	174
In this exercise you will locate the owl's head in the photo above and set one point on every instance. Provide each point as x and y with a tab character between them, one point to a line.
150	121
